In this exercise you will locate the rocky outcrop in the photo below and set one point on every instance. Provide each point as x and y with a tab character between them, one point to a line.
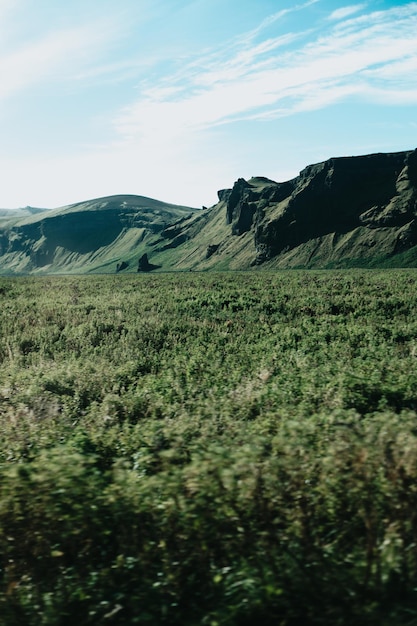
337	196
247	201
145	266
340	212
212	249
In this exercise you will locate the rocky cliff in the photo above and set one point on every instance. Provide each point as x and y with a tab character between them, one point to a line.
371	194
342	212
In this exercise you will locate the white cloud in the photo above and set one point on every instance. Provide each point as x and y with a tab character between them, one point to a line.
267	80
340	14
7	6
274	18
248	60
56	55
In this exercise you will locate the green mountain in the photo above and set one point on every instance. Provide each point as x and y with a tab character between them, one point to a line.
358	211
344	212
9	217
93	236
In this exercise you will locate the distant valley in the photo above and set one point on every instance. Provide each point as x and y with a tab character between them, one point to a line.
358	211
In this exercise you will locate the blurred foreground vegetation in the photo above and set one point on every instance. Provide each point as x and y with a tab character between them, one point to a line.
214	449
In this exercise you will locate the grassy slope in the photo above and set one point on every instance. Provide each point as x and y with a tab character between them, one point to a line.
88	236
360	247
203	230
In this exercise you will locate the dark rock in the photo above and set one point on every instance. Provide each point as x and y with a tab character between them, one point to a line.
224	194
237	199
144	265
241	207
277	192
122	266
211	249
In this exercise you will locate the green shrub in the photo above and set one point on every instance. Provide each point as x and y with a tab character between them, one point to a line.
209	449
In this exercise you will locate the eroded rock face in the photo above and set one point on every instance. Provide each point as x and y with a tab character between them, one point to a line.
224	194
338	196
246	202
237	204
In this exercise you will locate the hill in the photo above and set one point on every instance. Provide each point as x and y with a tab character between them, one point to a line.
357	211
92	236
11	216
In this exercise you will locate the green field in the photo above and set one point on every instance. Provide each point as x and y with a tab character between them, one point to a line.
223	449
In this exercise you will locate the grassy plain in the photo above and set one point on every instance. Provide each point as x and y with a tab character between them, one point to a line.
215	449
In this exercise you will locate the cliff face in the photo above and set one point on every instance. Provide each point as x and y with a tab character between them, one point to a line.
367	195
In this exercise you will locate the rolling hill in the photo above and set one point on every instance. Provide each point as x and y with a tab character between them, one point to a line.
92	236
344	212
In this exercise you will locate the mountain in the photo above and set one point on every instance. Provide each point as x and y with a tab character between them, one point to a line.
10	216
343	212
92	236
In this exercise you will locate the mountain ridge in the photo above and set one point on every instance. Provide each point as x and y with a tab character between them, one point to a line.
344	211
84	237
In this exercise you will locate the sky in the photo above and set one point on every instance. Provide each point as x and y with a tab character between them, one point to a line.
176	99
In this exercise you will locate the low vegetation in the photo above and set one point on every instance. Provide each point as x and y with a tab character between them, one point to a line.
215	449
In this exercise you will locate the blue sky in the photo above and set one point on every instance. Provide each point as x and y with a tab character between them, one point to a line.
176	99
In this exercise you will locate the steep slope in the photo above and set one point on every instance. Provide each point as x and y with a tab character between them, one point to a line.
85	237
347	211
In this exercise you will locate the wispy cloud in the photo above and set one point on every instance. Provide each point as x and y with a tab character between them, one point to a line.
275	17
6	6
343	12
372	57
50	56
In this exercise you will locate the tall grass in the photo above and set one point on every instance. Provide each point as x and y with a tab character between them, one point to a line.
209	449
